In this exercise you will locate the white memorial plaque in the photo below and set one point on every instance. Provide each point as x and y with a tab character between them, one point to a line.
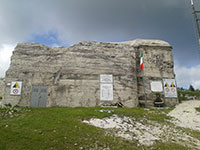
15	88
106	92
106	78
170	89
156	86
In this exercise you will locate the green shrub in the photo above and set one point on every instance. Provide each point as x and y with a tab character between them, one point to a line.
183	94
191	88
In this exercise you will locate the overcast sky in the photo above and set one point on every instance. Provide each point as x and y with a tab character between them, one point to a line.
66	22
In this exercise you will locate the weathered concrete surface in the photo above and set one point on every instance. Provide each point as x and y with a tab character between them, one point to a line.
142	42
1	88
72	74
158	65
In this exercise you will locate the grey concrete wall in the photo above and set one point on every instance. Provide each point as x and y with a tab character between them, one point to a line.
73	74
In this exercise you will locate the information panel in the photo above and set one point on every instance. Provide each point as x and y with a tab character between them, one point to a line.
15	88
106	92
170	88
104	78
156	86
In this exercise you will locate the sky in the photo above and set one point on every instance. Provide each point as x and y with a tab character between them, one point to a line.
66	22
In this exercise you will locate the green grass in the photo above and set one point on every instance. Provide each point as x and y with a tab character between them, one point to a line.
198	109
61	128
169	146
55	128
139	113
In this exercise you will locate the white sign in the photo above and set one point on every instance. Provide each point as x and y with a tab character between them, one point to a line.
106	78
156	86
170	89
106	92
15	88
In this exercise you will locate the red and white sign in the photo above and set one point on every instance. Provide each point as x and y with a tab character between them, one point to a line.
170	88
15	88
15	91
167	89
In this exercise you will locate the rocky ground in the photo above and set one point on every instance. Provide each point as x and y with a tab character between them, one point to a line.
147	132
185	115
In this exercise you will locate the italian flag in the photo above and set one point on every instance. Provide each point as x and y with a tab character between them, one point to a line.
141	61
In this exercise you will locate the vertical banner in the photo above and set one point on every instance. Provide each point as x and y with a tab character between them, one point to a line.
15	88
106	87
170	88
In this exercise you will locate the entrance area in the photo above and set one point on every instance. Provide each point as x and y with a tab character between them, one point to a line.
39	96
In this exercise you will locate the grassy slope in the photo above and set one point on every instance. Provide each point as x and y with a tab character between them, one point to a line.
61	128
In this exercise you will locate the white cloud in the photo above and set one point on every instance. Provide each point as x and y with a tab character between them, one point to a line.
113	20
5	54
186	76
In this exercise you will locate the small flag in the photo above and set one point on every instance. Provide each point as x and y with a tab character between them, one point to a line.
141	61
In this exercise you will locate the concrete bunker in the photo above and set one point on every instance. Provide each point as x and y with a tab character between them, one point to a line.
74	76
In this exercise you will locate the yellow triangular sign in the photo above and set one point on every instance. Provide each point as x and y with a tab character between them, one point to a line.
16	85
172	85
166	85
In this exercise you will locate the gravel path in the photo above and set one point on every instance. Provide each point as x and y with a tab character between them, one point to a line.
186	115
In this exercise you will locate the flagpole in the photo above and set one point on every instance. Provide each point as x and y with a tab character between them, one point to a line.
142	69
144	90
